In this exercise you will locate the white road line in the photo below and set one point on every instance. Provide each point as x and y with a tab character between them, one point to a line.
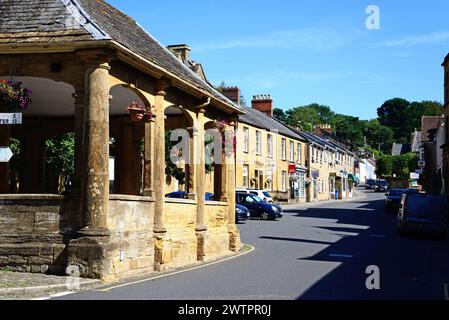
341	256
57	295
176	272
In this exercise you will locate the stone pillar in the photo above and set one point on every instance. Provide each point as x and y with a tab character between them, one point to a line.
80	100
234	233
5	136
192	166
160	254
148	187
96	145
200	181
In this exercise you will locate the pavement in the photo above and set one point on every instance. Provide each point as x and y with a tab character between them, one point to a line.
320	252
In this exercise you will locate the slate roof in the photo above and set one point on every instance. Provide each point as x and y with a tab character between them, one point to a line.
429	124
260	120
51	21
399	149
445	60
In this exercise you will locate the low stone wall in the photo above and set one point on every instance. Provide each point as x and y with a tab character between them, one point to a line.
34	231
217	236
131	221
180	241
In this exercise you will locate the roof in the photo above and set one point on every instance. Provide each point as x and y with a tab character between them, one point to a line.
428	124
399	149
445	60
259	119
70	21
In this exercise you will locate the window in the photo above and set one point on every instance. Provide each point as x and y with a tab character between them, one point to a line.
302	186
284	149
245	176
298	153
284	181
270	180
292	151
258	142
245	139
270	145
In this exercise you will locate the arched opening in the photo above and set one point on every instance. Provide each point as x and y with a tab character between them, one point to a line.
126	156
50	114
178	150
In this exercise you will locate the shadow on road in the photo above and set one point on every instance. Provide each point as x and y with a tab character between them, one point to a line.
365	235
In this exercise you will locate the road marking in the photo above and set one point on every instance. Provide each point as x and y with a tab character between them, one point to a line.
178	272
349	256
446	292
57	295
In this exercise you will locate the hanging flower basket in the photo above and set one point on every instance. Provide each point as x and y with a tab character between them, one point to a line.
137	112
14	98
229	138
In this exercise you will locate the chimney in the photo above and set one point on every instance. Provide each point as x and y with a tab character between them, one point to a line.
319	129
232	93
181	51
263	103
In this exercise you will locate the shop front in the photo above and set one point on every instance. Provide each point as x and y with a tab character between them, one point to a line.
297	183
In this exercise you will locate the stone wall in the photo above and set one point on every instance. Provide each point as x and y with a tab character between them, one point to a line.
131	221
34	231
180	241
217	238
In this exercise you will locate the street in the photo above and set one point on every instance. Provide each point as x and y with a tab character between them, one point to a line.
320	253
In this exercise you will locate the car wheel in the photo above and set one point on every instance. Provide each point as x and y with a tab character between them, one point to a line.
264	216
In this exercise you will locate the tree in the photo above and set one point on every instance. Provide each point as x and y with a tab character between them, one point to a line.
394	114
349	130
378	136
280	115
424	108
172	169
384	166
306	117
60	155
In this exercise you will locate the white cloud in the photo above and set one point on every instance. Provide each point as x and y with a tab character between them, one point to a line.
432	38
307	39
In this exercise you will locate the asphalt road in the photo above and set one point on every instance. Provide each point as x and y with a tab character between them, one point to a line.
320	253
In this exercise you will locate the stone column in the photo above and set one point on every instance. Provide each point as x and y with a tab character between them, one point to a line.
148	187
80	100
234	233
192	166
160	256
96	145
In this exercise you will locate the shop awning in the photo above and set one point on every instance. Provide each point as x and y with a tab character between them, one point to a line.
353	178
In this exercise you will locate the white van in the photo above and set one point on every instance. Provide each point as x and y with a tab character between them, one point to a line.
262	194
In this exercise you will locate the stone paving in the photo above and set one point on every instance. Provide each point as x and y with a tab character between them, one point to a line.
15	285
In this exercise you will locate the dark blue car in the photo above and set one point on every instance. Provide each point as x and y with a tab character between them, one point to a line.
241	213
183	195
259	208
394	198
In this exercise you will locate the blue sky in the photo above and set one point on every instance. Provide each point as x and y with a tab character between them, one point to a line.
302	52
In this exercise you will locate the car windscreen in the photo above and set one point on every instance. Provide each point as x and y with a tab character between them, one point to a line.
382	183
421	204
396	193
257	199
266	194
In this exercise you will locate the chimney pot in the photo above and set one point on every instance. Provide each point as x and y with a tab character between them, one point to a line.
263	103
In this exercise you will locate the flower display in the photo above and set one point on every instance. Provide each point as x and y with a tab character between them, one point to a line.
14	96
137	112
229	138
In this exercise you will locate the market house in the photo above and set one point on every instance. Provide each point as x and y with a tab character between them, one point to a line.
85	62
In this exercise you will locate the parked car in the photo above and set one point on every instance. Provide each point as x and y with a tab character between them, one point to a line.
394	198
370	184
241	213
423	212
259	208
183	195
262	194
381	186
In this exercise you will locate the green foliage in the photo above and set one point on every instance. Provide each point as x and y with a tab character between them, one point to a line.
280	115
350	130
306	117
60	152
378	136
384	166
404	117
15	160
171	169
